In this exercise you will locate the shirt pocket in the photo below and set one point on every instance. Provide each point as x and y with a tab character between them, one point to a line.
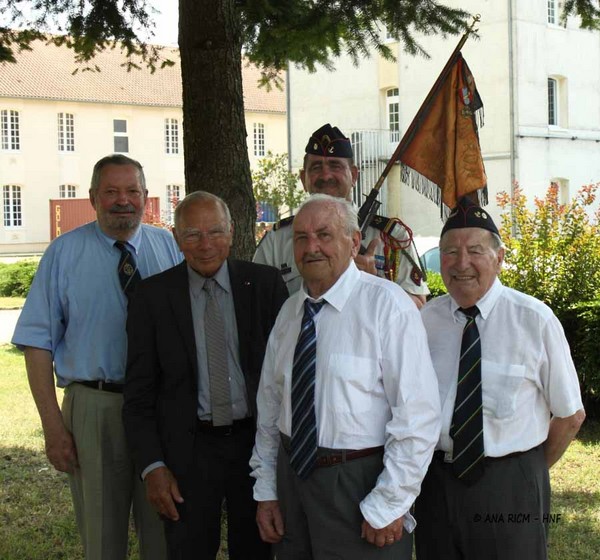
353	383
500	386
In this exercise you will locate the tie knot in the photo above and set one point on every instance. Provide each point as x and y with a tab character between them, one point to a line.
209	286
121	246
312	308
470	312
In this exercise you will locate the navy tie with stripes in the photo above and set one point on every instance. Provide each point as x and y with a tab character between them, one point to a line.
129	275
303	445
467	420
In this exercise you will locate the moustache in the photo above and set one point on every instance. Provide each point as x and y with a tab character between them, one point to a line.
120	209
320	183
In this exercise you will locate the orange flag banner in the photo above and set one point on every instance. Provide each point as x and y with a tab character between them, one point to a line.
442	156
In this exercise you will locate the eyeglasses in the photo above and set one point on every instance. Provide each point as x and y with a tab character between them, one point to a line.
192	236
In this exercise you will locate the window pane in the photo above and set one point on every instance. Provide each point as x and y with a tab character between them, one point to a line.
121	144
552	100
171	136
552	11
12	205
259	139
119	125
9	125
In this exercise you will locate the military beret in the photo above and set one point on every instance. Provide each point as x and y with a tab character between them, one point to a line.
329	141
469	214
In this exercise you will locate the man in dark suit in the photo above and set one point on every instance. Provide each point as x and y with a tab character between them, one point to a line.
197	335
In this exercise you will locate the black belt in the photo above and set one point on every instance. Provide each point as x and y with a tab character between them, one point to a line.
439	455
103	386
206	427
330	457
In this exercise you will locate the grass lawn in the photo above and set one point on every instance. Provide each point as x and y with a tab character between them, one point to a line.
37	523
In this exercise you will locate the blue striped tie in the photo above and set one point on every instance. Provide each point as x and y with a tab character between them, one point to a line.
467	421
303	445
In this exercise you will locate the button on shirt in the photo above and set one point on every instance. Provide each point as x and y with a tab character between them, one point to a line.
526	367
375	385
198	296
76	307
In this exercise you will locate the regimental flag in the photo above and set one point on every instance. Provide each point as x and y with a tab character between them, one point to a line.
441	156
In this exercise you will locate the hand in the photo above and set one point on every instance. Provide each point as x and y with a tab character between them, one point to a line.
269	521
162	492
60	449
419	300
380	537
366	262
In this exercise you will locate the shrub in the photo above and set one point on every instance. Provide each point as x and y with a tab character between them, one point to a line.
552	252
582	328
435	284
16	278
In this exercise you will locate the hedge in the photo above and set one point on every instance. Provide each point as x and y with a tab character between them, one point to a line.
582	328
16	278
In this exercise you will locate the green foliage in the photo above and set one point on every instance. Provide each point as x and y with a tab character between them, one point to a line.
553	251
435	284
274	184
305	32
16	278
309	33
88	27
586	9
582	328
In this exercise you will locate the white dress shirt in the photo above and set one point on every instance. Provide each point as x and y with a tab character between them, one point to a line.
526	367
375	385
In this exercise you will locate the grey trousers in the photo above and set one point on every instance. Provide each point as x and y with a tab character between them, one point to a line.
500	517
105	486
321	515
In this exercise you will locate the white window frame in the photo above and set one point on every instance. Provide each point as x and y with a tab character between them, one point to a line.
10	130
12	206
67	191
259	139
552	12
392	101
173	196
553	102
66	132
123	134
171	136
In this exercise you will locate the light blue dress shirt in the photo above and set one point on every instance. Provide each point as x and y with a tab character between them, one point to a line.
76	308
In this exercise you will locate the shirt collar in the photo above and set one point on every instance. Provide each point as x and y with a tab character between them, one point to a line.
135	241
338	294
485	304
221	277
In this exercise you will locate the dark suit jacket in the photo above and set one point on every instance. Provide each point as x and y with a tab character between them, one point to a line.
160	408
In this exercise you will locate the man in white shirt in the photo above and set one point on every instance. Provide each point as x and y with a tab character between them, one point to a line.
390	252
348	404
508	415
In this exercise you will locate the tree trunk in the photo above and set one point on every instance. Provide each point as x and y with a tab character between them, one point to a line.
214	129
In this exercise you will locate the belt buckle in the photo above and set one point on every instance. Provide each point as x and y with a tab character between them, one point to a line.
227	431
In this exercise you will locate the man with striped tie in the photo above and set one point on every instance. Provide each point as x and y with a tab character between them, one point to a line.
73	325
511	404
348	411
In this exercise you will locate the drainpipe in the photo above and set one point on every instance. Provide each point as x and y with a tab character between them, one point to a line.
512	103
288	111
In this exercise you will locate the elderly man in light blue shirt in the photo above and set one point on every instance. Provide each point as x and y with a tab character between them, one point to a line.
73	325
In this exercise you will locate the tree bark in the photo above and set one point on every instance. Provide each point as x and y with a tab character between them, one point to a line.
214	129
